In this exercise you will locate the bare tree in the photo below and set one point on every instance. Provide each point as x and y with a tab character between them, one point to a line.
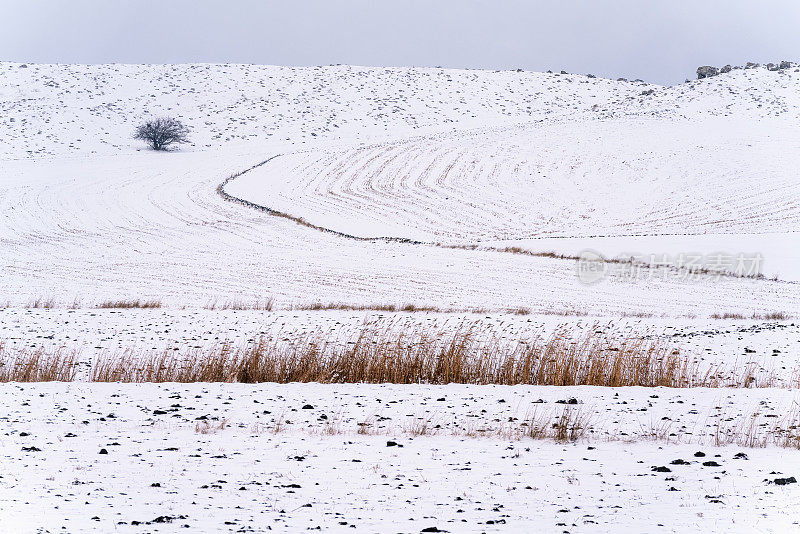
162	132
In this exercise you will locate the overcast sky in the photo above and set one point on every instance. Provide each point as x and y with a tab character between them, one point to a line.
659	41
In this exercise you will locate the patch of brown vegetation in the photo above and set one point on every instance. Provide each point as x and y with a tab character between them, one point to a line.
130	304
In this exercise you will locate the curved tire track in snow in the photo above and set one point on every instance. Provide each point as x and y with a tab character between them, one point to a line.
231	198
612	178
152	226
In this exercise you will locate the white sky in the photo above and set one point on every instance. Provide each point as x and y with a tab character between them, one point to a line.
659	41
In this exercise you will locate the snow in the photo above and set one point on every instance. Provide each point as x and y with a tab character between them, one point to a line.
565	156
70	110
472	159
779	252
317	471
562	178
151	226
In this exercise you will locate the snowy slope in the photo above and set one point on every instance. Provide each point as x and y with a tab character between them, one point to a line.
152	226
713	156
571	177
93	109
126	224
469	157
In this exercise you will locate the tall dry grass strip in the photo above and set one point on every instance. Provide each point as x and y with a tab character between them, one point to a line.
401	357
36	366
402	354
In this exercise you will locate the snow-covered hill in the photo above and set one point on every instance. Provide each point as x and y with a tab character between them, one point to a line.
466	162
93	109
438	155
721	160
569	177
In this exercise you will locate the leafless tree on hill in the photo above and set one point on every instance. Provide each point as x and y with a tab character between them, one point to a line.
162	132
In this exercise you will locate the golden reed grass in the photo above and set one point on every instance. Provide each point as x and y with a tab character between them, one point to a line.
399	355
412	357
36	366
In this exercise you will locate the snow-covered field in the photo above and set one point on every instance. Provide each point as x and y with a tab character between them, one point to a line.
244	458
464	164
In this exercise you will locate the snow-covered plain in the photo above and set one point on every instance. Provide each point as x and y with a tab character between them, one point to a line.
244	458
483	160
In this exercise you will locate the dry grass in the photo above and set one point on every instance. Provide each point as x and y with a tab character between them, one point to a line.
572	424
262	305
565	312
42	303
386	355
36	366
210	427
568	426
265	304
411	357
386	352
394	308
756	432
130	304
772	316
769	316
421	426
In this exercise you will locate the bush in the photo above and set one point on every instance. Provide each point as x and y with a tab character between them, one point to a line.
162	132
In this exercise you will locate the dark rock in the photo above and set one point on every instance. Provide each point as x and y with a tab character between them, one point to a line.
711	463
679	461
751	65
103	451
308	407
706	71
699	454
784	481
725	69
661	469
740	456
785	65
167	518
